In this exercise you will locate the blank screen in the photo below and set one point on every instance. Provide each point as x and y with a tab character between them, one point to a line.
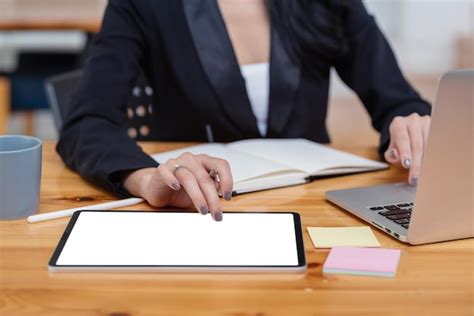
180	239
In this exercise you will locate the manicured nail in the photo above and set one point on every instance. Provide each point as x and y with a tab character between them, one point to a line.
204	210
414	180
393	154
407	163
218	216
175	185
228	196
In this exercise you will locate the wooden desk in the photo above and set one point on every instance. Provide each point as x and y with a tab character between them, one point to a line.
84	15
431	280
4	104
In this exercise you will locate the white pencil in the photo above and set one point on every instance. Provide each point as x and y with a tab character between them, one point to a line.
69	212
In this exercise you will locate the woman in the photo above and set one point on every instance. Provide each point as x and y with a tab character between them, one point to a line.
246	69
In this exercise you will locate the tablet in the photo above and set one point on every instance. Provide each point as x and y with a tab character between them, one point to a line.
180	241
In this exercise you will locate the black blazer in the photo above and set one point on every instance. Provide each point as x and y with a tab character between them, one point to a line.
186	54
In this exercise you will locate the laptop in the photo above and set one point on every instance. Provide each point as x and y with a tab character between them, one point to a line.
440	208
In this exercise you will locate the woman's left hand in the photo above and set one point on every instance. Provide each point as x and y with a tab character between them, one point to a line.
408	136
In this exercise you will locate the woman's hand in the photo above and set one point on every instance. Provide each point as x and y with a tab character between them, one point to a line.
408	136
189	180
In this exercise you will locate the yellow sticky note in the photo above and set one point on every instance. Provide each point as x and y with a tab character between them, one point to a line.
328	237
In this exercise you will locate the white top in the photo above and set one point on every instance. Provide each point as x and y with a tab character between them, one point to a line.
257	84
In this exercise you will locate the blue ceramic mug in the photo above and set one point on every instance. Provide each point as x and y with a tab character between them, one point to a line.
20	176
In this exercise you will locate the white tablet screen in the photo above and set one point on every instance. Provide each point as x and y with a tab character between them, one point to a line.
180	239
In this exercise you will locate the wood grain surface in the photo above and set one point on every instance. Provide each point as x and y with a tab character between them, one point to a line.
84	15
436	279
4	104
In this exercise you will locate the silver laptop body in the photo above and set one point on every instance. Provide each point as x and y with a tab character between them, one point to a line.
440	208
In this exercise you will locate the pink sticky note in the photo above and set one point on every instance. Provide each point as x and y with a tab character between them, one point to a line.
362	261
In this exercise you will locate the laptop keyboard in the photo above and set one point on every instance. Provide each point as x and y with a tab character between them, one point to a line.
398	213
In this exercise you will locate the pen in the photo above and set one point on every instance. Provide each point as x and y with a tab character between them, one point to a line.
69	212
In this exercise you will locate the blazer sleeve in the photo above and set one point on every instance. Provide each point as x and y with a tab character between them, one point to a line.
370	69
93	141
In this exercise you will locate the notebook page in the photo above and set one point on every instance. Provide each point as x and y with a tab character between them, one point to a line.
303	154
243	166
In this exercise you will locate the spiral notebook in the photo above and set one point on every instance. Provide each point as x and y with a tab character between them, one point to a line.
261	164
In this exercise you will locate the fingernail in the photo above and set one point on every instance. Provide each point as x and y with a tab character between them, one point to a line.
406	163
204	210
218	216
393	154
228	196
414	180
175	185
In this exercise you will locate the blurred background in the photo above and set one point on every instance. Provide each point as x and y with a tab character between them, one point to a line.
42	38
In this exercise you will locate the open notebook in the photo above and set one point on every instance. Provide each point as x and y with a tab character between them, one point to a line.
260	164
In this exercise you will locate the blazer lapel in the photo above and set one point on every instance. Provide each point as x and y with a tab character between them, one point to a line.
218	60
284	81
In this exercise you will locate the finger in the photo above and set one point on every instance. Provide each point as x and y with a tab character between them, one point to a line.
191	186
224	174
415	131
168	177
391	154
205	182
218	185
208	188
401	139
213	174
426	123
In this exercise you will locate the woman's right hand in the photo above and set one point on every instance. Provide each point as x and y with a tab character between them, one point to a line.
186	181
